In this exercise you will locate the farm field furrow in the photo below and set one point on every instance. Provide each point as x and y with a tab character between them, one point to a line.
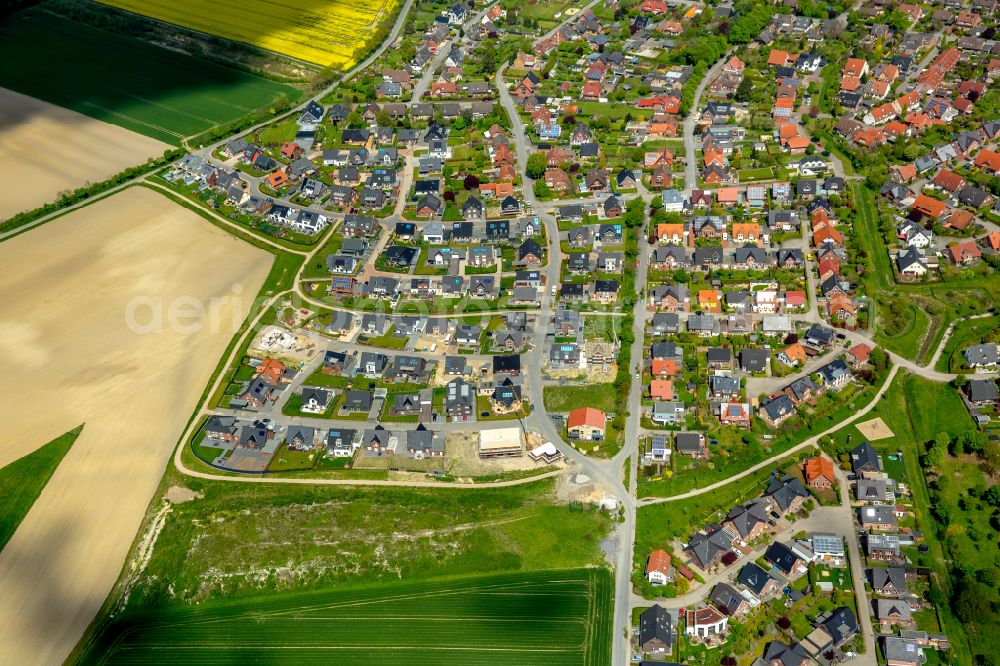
45	149
102	327
154	91
331	33
543	617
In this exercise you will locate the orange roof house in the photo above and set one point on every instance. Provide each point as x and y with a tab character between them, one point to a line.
670	232
948	180
795	353
929	207
859	354
849	83
787	131
988	159
855	67
992	241
904	173
896	129
959	219
658	566
797	144
708	299
661	389
664	367
839	306
778	58
497	190
714	157
878	89
728	195
586	416
272	369
277	179
825	234
746	232
908	102
964	253
819	472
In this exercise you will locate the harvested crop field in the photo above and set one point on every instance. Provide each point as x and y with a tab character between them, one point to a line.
544	618
331	33
154	91
45	149
70	286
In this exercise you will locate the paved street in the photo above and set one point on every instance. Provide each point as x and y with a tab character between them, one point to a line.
608	473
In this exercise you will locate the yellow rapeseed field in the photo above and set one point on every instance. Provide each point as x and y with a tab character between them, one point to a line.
331	33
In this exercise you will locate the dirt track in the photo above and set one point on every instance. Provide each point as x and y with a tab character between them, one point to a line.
45	149
70	358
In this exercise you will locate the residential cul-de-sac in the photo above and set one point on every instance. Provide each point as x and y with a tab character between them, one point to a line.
601	332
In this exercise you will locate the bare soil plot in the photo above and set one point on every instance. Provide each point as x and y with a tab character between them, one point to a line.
874	429
45	149
66	347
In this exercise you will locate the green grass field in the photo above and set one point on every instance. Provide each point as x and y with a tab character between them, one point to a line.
144	88
566	398
544	617
22	481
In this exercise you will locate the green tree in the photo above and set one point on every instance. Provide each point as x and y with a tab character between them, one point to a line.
936	455
536	166
745	90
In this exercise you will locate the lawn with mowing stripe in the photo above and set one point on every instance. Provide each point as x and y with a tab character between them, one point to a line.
124	81
544	617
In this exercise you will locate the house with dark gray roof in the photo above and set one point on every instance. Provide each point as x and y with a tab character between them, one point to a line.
981	356
981	391
758	581
656	632
786	493
865	462
707	549
784	560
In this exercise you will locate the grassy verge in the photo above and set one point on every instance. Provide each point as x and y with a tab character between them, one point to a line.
22	481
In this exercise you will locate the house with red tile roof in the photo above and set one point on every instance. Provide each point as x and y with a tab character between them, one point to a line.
948	180
661	389
964	253
959	219
795	299
989	160
818	472
659	571
586	424
858	354
929	207
780	58
658	7
855	67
